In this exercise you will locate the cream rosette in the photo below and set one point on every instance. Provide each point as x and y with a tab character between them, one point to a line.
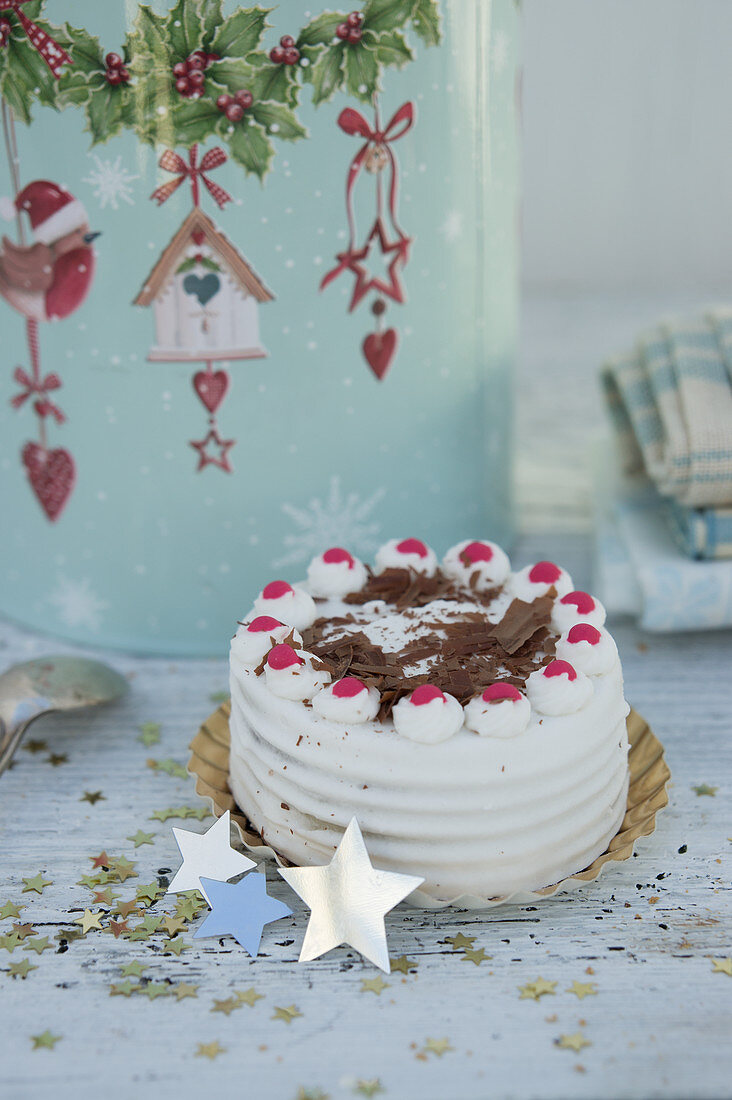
577	607
589	649
499	711
558	689
335	573
348	701
428	715
485	561
256	637
290	673
536	580
406	554
288	603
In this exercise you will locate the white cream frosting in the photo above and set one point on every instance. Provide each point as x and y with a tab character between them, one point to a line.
347	709
335	573
505	718
293	606
593	655
490	564
558	694
249	646
577	607
298	680
428	723
421	560
526	587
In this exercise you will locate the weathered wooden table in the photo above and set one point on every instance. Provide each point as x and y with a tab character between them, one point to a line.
645	934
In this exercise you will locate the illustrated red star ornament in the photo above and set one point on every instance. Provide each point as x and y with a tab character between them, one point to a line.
205	458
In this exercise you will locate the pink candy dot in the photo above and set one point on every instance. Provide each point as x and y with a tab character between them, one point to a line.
283	656
275	590
581	600
264	622
501	691
560	668
425	693
476	551
545	572
348	687
336	555
412	546
583	632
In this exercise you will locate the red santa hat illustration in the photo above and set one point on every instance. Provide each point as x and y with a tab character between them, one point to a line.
52	210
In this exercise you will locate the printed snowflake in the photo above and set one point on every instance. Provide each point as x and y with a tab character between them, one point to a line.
111	182
499	53
452	227
342	519
78	603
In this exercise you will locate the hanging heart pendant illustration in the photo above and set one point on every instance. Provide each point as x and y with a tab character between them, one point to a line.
202	287
379	349
51	474
211	387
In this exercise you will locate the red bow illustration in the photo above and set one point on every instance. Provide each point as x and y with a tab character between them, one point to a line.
54	56
42	386
172	162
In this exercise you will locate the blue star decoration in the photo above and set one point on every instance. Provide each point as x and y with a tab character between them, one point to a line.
240	910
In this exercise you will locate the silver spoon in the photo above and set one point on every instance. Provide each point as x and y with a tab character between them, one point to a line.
47	684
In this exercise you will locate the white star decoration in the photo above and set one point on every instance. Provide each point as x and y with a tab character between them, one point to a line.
348	900
209	854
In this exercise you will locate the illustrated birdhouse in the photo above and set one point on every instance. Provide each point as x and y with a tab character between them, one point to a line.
205	297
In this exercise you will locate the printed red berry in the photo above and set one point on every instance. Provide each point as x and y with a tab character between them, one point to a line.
201	55
277	54
234	112
196	61
113	61
196	79
244	98
355	34
114	77
182	86
180	69
292	56
343	30
287	41
124	73
223	101
211	57
355	19
5	29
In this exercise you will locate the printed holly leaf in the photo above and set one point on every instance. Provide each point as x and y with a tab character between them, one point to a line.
273	82
230	74
362	71
24	76
211	19
326	75
392	49
386	15
105	109
153	105
426	22
184	29
75	83
251	148
241	33
149	40
195	120
321	30
278	121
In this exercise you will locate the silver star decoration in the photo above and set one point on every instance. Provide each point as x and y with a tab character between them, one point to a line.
209	854
348	900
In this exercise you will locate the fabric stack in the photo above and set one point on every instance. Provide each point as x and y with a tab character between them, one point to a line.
664	519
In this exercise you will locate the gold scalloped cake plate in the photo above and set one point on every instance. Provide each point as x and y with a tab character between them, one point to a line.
647	795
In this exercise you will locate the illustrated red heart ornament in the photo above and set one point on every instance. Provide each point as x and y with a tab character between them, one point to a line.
211	387
51	475
379	349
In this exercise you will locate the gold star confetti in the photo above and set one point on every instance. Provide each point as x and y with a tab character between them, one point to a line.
151	922
582	989
38	884
170	767
248	996
10	941
476	955
199	812
123	989
141	838
156	989
9	909
374	985
123	869
93	881
460	942
722	966
68	935
163	815
703	789
88	921
402	964
127	908
132	969
227	1006
210	1050
92	797
39	945
183	990
368	1088
188	908
150	892
23	931
287	1014
35	746
173	925
175	946
21	969
138	935
311	1094
105	896
45	1039
57	758
534	990
102	860
118	928
573	1042
149	733
438	1046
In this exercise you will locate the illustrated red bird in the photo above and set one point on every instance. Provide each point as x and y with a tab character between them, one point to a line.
50	278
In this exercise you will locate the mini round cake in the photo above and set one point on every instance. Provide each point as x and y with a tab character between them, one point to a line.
470	717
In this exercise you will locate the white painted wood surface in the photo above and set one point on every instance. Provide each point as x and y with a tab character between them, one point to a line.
659	1026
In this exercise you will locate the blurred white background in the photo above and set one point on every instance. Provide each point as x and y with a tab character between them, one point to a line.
627	210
